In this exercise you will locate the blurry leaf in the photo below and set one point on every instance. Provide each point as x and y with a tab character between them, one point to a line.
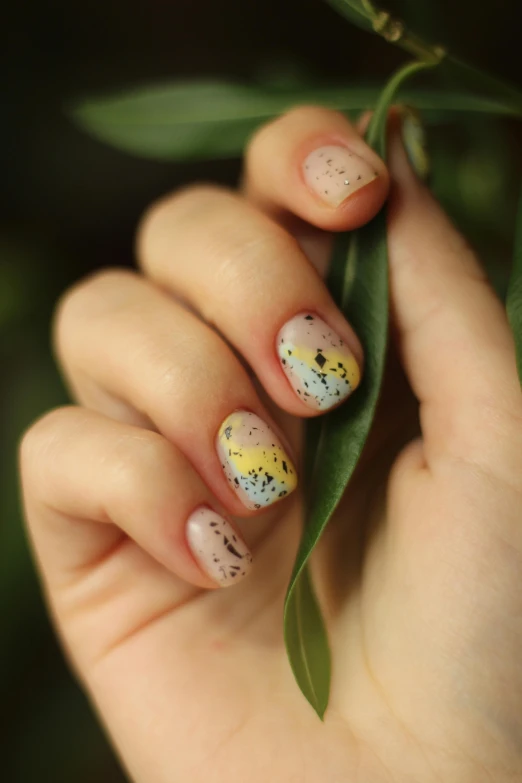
188	120
366	14
474	81
355	11
369	16
514	295
359	279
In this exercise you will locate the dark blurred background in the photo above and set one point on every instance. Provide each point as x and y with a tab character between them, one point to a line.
70	205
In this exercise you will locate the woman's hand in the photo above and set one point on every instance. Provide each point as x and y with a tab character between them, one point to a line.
193	380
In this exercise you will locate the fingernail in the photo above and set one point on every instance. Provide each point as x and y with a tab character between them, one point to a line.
334	173
254	460
319	365
219	550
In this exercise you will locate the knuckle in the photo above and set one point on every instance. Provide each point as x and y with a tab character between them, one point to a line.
496	444
298	114
264	133
298	117
184	204
139	459
238	259
37	441
86	298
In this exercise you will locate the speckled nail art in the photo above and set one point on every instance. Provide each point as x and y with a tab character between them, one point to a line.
319	365
220	551
334	173
255	463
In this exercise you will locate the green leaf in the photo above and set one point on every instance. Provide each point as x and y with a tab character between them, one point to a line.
366	14
514	294
369	16
307	643
355	11
202	120
474	81
359	279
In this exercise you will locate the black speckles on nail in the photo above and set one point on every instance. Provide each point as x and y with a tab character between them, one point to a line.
228	432
317	376
233	551
224	560
254	483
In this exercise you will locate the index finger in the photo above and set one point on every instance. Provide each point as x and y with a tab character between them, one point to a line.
313	163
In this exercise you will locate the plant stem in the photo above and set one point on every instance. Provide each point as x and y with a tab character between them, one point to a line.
389	28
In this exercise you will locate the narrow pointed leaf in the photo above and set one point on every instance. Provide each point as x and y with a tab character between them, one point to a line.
202	120
355	11
473	81
310	661
371	16
514	295
359	281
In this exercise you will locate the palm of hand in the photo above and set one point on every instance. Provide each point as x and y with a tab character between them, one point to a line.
423	668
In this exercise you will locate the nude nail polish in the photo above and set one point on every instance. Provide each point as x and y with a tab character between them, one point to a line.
319	365
254	461
334	173
217	547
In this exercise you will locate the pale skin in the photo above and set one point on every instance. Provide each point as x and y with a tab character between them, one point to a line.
420	572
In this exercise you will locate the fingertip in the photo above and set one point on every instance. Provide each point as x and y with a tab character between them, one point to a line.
313	163
357	209
217	547
343	182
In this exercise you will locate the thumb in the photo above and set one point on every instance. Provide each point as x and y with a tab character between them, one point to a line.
452	330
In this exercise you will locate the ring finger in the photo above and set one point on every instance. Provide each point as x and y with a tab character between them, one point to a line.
122	339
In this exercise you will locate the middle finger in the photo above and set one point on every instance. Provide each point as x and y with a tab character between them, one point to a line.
122	335
247	276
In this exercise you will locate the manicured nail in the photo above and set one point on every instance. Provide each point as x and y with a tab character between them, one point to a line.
319	365
254	460
221	553
334	173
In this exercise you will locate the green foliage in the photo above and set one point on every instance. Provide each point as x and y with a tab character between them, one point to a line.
359	282
306	640
202	120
